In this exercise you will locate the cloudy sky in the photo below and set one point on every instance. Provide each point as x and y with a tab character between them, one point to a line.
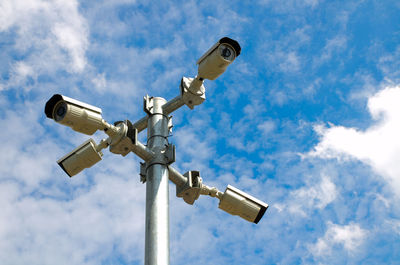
307	119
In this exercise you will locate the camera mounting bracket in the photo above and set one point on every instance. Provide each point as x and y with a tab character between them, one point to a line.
193	92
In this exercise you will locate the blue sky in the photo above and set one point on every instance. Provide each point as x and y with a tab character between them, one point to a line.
306	119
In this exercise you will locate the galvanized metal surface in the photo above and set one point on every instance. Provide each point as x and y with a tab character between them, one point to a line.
173	105
157	204
177	178
141	124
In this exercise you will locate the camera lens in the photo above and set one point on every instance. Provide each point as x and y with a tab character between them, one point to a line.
227	52
60	111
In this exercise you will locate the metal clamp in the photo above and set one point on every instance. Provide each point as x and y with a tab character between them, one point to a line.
167	158
148	104
142	173
169	154
170	125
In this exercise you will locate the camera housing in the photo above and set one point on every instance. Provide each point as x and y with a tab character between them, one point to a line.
215	61
237	202
84	156
81	117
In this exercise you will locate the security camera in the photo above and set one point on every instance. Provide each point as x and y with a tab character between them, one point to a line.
84	156
80	116
215	61
237	202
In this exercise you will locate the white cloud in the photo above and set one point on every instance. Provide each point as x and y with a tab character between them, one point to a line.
319	195
378	146
100	222
267	127
349	236
23	70
290	6
195	149
291	62
278	97
395	225
49	36
287	61
74	42
336	44
311	196
100	81
389	64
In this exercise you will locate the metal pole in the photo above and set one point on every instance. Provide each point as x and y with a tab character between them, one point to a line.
157	204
